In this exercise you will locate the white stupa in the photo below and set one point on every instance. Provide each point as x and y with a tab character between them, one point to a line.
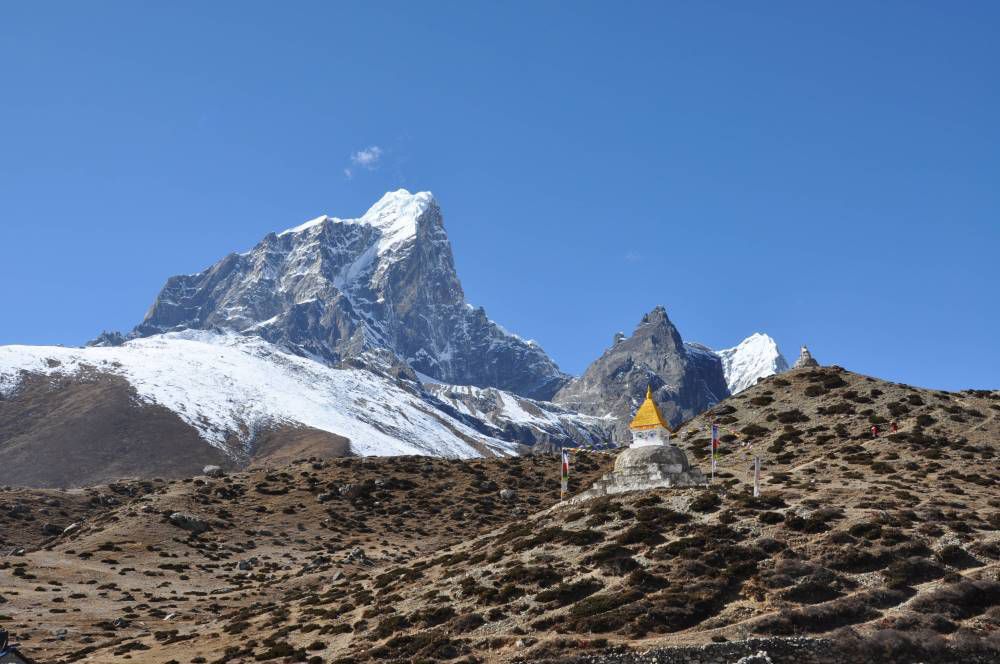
651	461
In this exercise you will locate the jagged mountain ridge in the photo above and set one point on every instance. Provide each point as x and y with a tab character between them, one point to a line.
686	379
338	288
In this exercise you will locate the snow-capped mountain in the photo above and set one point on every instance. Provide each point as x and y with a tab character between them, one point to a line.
753	358
335	289
232	388
337	336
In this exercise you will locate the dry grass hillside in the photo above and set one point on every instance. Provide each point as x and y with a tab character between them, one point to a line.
130	580
884	548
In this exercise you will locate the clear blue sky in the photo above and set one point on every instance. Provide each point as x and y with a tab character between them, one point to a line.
828	173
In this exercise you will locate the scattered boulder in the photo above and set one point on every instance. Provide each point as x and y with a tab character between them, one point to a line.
52	529
189	522
213	471
358	555
508	494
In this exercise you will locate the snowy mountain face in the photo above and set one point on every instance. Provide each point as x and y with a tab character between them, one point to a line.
753	358
541	424
236	387
338	289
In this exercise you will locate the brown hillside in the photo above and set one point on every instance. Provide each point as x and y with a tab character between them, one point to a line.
894	539
81	430
295	527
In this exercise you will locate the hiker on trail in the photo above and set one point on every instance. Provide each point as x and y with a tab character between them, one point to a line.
893	427
874	431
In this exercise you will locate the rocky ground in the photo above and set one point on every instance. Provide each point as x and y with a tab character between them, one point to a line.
147	569
858	548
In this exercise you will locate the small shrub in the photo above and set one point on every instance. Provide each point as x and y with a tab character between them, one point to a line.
706	501
770	518
569	593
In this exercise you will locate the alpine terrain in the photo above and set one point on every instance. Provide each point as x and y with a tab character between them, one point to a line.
858	548
338	336
332	338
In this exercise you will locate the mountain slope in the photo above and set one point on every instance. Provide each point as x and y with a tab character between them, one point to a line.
892	536
80	429
230	390
335	288
686	380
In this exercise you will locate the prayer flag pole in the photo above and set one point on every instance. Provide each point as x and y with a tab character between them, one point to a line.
756	476
564	488
715	447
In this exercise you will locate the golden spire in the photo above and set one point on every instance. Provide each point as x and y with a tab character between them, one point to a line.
648	416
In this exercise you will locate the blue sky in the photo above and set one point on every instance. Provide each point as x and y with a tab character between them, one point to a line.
824	172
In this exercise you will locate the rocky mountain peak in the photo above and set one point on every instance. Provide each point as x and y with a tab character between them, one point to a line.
656	330
684	381
336	289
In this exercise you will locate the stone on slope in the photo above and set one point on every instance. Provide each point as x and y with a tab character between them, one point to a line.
189	522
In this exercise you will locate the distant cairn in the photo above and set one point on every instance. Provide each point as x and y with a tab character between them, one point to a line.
805	359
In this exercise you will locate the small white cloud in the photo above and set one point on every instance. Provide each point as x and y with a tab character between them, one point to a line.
367	158
633	257
348	173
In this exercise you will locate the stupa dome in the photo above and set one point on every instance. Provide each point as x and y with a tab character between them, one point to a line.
638	459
